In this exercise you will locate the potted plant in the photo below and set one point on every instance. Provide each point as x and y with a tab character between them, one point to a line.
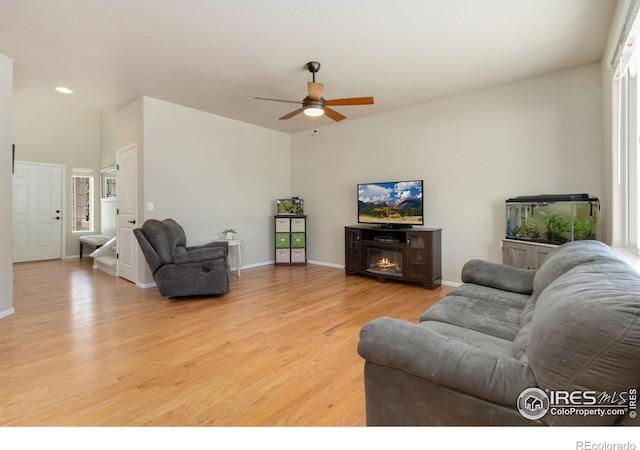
229	233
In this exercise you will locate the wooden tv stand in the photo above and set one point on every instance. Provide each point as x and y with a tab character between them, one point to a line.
404	254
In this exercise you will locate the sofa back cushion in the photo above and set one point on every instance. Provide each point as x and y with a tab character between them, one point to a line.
167	238
565	258
561	261
585	333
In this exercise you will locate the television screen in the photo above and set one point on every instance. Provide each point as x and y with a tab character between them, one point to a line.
393	204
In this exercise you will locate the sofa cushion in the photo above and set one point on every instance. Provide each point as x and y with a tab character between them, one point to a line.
491	294
484	309
563	259
585	332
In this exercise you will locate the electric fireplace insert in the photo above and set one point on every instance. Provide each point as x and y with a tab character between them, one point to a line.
384	261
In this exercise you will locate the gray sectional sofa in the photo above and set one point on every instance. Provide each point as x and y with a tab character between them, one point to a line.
556	346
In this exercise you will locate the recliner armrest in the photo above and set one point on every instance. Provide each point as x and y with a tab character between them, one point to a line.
499	276
422	352
214	244
200	255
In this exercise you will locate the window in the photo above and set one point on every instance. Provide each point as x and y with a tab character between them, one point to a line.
631	160
82	200
628	150
627	64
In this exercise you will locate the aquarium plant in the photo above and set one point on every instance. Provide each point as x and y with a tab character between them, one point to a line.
557	227
584	229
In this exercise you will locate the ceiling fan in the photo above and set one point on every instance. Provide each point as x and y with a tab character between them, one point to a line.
314	104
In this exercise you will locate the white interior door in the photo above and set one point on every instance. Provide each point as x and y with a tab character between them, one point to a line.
37	212
127	212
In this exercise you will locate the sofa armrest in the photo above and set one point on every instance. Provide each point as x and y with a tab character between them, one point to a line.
499	276
422	352
200	255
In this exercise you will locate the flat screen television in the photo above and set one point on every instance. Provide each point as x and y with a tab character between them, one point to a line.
394	204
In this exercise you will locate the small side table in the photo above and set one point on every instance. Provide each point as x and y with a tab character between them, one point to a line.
237	244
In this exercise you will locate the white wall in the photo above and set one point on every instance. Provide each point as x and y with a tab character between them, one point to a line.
108	137
210	173
6	188
538	136
56	134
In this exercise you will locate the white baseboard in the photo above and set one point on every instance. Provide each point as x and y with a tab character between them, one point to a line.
146	285
251	266
7	312
321	263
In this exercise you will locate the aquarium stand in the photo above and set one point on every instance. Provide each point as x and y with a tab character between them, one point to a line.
410	255
525	255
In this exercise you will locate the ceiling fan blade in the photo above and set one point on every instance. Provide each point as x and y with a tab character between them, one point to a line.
333	114
315	90
291	114
277	100
350	101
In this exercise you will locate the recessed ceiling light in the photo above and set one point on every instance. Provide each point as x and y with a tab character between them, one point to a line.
64	90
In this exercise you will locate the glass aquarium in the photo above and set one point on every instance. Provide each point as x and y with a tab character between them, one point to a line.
293	205
553	219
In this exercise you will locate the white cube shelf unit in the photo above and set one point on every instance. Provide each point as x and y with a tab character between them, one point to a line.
291	239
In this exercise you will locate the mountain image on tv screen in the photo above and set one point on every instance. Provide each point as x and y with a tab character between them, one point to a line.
397	202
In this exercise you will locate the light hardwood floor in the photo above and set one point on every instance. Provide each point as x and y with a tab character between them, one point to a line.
279	349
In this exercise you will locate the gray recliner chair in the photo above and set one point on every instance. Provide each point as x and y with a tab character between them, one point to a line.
178	270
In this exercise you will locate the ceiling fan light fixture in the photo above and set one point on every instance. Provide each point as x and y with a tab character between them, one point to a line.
64	90
313	108
314	105
313	111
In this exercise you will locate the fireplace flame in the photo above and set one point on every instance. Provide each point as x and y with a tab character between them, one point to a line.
385	264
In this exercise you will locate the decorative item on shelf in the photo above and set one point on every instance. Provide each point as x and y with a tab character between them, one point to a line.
293	205
229	234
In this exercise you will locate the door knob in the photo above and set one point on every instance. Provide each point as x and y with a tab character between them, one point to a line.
57	217
132	221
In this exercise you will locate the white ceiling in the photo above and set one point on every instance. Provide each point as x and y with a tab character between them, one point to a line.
217	55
